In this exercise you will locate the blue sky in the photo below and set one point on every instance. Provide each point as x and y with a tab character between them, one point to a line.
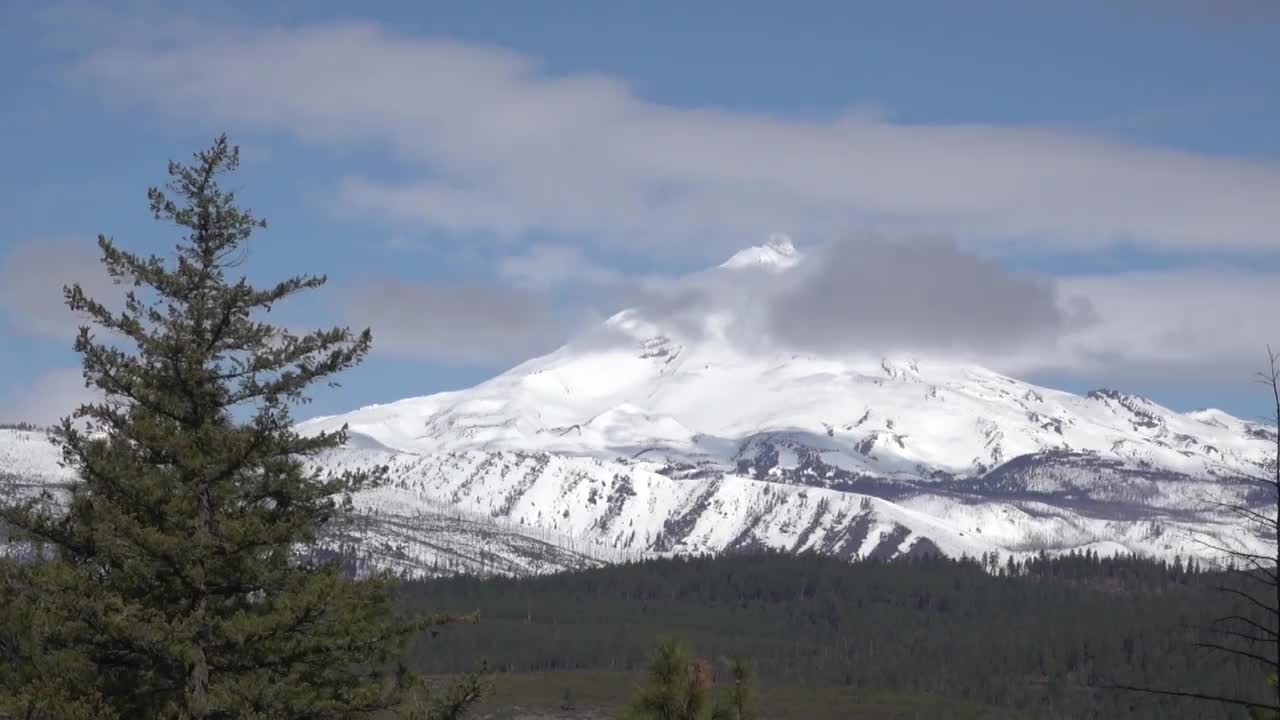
481	180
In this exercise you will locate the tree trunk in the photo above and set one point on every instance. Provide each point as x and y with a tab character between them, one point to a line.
198	680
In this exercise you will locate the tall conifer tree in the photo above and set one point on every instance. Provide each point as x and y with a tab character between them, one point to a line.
171	585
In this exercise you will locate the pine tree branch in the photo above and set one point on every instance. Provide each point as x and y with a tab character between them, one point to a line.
1194	695
1271	633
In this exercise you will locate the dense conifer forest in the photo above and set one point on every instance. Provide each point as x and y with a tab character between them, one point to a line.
1046	638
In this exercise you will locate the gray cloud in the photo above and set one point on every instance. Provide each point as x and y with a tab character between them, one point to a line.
32	276
872	294
455	323
506	147
869	293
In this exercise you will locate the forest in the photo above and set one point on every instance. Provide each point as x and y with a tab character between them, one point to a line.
1050	637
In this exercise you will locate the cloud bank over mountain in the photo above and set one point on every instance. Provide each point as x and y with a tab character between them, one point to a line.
506	146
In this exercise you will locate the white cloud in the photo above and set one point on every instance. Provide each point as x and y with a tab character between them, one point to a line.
549	265
53	395
1194	323
862	295
506	147
496	143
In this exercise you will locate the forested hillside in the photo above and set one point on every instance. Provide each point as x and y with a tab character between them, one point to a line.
1045	639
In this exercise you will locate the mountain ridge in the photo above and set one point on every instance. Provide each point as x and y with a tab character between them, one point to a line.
663	432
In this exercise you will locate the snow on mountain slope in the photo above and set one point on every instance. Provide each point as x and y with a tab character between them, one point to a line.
658	435
28	454
633	506
880	417
720	445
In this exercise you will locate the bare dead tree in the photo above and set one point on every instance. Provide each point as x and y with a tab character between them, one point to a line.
1253	579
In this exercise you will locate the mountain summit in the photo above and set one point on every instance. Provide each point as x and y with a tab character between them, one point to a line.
778	253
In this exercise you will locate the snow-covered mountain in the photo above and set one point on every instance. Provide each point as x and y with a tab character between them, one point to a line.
652	435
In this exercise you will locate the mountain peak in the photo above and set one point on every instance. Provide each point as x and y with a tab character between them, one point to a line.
778	253
781	244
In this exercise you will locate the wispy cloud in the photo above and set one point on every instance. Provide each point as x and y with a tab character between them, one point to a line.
454	323
547	265
32	276
51	396
490	143
506	147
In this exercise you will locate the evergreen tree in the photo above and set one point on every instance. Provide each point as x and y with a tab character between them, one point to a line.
1263	713
171	585
44	680
677	687
738	702
1011	642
